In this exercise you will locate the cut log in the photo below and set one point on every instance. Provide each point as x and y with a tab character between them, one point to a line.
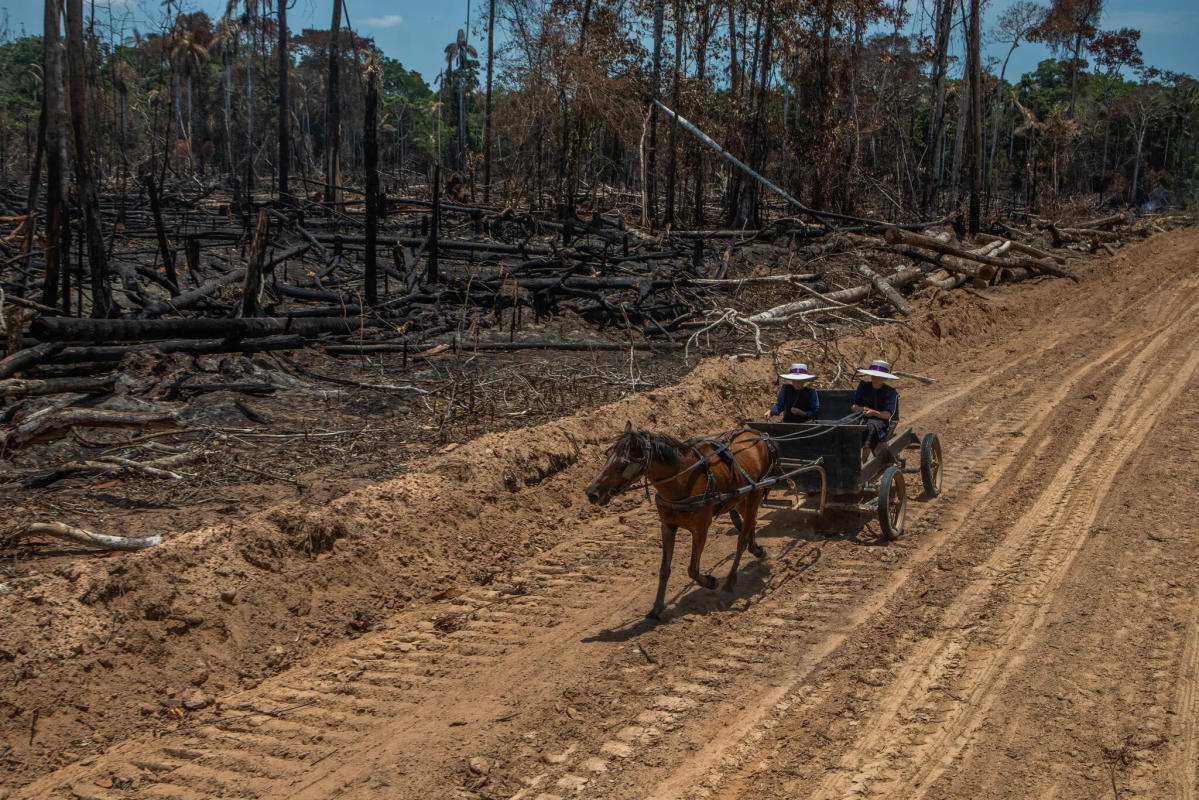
78	535
906	238
1104	222
1020	247
76	329
50	424
784	313
943	279
1093	233
885	289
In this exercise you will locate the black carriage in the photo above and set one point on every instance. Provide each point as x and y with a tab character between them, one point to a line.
834	444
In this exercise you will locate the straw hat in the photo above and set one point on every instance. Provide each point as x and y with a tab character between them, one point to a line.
879	369
798	372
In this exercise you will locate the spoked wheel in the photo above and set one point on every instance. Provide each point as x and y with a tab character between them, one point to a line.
892	502
930	464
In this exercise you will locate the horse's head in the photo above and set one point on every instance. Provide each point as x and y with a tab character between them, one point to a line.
627	460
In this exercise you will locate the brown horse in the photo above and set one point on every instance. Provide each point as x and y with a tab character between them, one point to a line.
696	482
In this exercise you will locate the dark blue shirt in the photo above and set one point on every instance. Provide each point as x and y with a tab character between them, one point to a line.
806	398
884	398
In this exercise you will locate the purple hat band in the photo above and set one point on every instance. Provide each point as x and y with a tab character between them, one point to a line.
798	372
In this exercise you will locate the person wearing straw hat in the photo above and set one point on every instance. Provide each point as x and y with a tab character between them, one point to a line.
878	403
797	402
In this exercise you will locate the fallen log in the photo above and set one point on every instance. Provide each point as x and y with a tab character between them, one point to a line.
907	238
50	424
18	387
78	535
784	313
885	289
943	279
1093	233
981	272
1104	222
82	329
156	468
193	298
1020	247
196	347
493	347
23	359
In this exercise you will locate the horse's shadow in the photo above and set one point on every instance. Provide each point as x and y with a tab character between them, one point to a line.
800	533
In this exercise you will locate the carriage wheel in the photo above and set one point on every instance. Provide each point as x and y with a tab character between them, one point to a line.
892	503
930	464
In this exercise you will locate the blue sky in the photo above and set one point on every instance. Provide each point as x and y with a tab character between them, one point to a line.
415	32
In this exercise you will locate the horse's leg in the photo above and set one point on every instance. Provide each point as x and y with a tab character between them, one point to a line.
735	517
749	510
668	532
699	537
754	504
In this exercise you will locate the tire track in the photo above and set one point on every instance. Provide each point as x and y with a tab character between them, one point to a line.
733	774
981	468
949	684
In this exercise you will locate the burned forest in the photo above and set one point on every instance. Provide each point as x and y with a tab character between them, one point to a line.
584	199
310	343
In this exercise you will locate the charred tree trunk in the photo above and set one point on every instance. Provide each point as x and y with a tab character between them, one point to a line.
701	66
651	188
976	117
487	103
284	107
370	146
89	199
58	226
333	110
672	141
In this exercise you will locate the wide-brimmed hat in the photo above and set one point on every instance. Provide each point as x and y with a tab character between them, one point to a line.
879	369
798	372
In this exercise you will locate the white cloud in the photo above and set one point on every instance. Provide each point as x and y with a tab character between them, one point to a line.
387	21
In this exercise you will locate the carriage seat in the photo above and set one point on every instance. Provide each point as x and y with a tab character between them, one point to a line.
837	404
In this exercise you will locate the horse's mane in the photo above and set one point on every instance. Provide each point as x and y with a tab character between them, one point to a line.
662	446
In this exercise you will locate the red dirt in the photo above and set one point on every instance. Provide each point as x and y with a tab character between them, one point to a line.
473	629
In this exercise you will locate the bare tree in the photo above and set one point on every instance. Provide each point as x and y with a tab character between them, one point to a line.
284	109
333	109
89	200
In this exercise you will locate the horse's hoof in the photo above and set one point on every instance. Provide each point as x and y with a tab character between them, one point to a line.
758	552
729	584
655	614
709	582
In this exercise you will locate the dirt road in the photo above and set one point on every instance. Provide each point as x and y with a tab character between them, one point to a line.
1034	634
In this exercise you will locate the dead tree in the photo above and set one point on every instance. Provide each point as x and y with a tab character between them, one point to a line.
284	108
370	146
58	227
333	110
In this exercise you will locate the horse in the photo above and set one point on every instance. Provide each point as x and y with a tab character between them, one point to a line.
696	481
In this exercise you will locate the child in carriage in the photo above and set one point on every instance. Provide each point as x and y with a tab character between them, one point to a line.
797	402
878	403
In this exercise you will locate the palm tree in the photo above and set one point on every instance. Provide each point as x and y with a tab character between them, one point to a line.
456	79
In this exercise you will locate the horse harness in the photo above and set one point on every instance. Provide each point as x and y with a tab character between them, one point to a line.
712	494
